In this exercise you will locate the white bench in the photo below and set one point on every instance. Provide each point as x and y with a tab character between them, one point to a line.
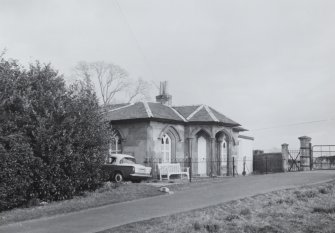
168	169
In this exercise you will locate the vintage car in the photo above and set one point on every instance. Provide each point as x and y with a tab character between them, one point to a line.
120	167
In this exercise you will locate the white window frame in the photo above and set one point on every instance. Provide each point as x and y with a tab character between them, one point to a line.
166	148
117	149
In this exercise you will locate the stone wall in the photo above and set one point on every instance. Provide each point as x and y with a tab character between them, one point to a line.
134	139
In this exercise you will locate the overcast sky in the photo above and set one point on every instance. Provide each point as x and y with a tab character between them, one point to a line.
269	65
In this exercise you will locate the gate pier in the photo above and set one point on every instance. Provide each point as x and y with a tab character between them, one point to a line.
305	153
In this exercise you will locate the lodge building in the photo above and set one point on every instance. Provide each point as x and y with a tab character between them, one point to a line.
197	136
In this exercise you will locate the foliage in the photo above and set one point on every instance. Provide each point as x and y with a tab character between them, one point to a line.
52	137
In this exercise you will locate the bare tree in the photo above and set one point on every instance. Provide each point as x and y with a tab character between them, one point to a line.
139	90
111	79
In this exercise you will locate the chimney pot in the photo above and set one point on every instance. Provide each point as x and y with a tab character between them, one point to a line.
164	97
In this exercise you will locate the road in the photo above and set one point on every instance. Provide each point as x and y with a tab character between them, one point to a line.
98	219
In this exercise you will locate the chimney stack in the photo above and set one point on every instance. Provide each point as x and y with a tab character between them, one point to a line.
164	97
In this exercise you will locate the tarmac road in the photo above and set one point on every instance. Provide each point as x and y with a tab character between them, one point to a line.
101	218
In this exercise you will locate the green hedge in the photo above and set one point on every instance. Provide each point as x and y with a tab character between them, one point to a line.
52	137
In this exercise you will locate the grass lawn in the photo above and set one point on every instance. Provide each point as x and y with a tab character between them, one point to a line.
304	209
108	194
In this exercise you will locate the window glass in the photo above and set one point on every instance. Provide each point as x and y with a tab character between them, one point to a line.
128	161
113	160
115	145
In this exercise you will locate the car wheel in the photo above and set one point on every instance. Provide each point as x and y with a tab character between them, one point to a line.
118	178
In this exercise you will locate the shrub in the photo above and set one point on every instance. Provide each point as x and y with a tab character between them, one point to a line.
52	137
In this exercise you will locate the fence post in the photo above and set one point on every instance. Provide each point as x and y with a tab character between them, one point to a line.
190	170
190	156
311	156
233	167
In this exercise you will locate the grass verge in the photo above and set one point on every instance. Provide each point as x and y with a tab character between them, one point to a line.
303	209
108	194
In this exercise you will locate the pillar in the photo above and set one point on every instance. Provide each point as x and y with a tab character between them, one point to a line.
212	149
229	158
284	151
219	158
305	153
190	158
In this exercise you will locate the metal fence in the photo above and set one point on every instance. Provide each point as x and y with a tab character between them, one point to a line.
323	157
294	163
267	163
207	168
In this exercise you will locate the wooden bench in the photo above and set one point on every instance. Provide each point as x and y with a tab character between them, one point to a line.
168	169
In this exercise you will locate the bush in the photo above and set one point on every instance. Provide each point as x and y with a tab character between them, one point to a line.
52	137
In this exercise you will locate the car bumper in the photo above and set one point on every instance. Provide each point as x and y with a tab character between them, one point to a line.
140	175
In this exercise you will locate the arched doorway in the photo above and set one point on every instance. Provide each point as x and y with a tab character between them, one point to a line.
224	156
202	155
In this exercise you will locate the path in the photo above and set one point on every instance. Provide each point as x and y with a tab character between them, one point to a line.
97	219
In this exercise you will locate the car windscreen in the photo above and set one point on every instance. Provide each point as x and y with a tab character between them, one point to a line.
128	160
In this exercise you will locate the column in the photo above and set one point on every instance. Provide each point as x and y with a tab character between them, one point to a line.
305	153
284	151
219	158
190	156
229	158
213	160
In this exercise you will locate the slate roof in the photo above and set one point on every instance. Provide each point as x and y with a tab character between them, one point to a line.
149	110
185	111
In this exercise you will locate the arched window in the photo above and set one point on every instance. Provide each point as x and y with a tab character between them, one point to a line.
166	148
115	145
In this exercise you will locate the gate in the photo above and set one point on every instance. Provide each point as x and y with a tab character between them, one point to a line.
323	157
294	164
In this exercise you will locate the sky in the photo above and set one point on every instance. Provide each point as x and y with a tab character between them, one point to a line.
269	65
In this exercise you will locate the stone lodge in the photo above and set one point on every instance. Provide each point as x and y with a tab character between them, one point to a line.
156	132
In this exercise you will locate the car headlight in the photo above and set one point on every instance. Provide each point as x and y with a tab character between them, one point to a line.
133	169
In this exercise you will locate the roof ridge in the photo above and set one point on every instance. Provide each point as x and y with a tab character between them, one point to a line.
125	106
147	109
195	111
211	113
183	118
193	105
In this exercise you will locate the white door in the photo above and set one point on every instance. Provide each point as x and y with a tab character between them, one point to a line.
202	152
166	149
224	155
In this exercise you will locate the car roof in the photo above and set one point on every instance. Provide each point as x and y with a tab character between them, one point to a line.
121	156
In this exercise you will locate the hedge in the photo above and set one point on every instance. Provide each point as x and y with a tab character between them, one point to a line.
52	137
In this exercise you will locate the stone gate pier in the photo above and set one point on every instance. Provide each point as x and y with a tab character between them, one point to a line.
305	153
